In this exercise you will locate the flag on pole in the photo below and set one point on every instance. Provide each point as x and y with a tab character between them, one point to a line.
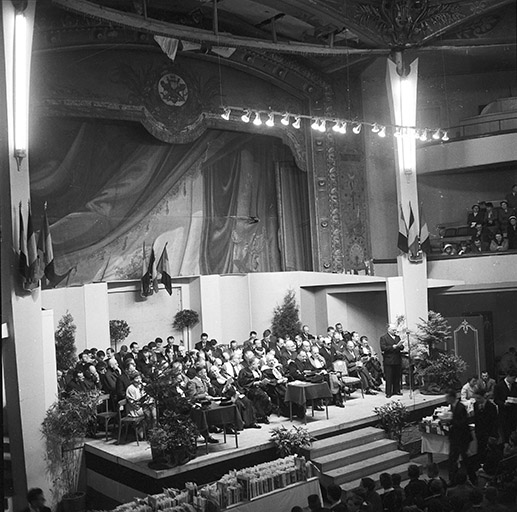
412	234
164	269
425	242
403	232
46	254
23	265
32	280
146	288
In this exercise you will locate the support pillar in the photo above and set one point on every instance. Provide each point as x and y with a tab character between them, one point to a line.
401	80
24	351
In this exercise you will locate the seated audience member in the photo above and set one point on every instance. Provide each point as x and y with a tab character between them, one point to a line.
499	244
511	198
259	350
469	388
475	216
253	383
510	448
334	497
250	342
475	501
202	343
437	501
314	503
79	383
491	502
390	499
36	500
100	355
371	361
144	363
121	354
356	367
491	221
493	455
215	349
461	487
288	353
277	347
199	388
306	335
139	405
476	246
396	480
371	495
511	231
449	250
134	349
92	375
416	490
276	386
487	384
327	351
233	346
464	248
232	367
503	214
483	234
433	473
124	379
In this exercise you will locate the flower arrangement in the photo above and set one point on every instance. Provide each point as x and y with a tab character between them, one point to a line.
185	319
393	418
119	331
290	441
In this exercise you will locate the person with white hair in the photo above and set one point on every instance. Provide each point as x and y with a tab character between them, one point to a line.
391	348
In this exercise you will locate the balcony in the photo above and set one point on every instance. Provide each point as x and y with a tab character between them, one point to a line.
479	142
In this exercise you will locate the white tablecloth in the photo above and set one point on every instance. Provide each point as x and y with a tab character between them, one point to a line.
281	499
433	443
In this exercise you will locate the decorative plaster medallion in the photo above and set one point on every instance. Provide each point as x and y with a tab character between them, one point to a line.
173	90
356	253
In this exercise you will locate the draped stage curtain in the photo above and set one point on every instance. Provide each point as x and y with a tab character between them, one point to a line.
111	186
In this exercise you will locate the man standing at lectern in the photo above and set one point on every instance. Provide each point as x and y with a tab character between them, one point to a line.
391	347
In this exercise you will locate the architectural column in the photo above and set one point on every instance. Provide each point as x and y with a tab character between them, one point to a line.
401	80
24	352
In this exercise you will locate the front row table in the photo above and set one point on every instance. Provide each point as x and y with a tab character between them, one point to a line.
439	443
300	392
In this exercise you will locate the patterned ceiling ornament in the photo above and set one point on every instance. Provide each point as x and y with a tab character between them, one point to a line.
405	23
478	28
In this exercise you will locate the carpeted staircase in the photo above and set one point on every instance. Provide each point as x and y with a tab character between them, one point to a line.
346	458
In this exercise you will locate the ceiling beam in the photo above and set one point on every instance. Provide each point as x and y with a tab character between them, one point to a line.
158	27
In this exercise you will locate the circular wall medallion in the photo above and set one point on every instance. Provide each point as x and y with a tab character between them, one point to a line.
173	90
356	254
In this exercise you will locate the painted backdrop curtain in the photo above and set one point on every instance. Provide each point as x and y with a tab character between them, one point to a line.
111	186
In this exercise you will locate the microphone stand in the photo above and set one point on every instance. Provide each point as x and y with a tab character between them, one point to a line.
410	370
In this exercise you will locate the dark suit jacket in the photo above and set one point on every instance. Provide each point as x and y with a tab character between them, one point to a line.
390	354
502	392
329	355
459	431
485	420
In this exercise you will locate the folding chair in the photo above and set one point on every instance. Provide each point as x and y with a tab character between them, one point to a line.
106	415
127	421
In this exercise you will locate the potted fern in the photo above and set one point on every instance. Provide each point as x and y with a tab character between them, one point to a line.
64	428
290	441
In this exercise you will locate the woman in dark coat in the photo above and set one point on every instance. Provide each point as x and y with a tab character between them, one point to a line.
254	383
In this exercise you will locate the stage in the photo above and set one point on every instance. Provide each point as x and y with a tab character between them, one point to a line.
117	474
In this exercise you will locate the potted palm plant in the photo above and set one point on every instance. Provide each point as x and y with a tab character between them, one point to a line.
64	428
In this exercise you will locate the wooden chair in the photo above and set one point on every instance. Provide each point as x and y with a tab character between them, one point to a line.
127	421
341	370
105	415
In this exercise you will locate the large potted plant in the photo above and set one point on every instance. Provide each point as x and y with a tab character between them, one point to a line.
393	418
64	428
65	343
184	320
286	318
441	373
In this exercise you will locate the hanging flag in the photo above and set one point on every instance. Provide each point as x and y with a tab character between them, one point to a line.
403	232
425	242
412	234
23	265
46	254
163	268
146	282
32	280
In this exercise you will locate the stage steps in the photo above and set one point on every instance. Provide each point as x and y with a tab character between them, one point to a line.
346	458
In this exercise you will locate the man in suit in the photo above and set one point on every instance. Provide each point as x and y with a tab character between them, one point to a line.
459	437
391	348
334	493
505	392
485	420
202	344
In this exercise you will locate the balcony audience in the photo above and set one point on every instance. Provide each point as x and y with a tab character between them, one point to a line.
511	198
476	216
499	244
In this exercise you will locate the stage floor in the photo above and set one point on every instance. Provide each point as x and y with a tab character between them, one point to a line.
113	470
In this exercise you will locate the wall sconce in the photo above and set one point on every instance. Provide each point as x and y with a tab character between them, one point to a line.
21	83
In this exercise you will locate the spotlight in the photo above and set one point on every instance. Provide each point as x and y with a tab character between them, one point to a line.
343	128
445	137
257	121
382	132
285	119
357	128
323	126
271	120
423	137
337	127
436	135
375	128
398	132
297	123
245	118
226	114
315	125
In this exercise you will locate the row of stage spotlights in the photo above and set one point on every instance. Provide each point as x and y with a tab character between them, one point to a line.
339	126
